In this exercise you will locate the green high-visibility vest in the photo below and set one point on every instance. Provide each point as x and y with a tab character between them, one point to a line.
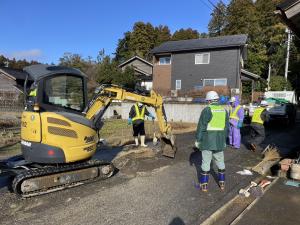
233	114
33	93
139	115
256	115
218	118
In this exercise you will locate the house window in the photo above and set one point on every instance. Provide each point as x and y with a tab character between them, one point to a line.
165	60
203	58
215	82
178	84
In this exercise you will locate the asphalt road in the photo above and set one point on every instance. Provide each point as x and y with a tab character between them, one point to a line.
147	190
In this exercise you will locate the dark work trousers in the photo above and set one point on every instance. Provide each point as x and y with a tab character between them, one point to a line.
138	128
257	134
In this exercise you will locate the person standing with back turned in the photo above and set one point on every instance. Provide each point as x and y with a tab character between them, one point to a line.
260	116
211	139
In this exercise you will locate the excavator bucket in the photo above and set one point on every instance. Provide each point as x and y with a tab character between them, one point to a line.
168	146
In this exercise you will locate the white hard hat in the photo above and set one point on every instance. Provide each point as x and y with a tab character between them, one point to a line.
232	99
264	103
211	95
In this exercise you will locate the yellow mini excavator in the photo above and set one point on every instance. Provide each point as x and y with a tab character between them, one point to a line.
59	130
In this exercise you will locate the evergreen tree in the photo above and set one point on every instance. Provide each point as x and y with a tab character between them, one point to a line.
278	83
272	34
242	19
185	34
142	39
15	64
126	78
218	20
72	60
163	34
123	52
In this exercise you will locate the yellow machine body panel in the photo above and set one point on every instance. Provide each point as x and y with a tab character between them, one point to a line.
77	141
31	126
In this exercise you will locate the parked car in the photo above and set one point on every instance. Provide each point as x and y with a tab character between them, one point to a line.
282	106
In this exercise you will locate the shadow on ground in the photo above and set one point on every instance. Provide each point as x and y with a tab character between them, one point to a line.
177	221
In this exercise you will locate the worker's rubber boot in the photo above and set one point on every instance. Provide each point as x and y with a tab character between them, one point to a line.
136	140
221	178
204	181
143	141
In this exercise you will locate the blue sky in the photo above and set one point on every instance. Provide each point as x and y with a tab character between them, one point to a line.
44	29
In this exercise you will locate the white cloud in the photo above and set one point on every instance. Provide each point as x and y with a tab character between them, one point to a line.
31	54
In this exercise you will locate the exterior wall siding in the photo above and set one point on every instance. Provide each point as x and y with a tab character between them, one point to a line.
224	63
8	93
162	79
7	84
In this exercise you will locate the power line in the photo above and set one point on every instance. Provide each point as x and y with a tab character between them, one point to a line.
216	7
207	5
213	4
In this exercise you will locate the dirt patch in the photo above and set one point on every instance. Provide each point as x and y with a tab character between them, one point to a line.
137	153
11	150
119	133
180	128
128	161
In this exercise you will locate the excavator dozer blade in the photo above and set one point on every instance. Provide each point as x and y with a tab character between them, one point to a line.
168	146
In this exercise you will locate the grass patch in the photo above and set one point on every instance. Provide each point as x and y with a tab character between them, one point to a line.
120	128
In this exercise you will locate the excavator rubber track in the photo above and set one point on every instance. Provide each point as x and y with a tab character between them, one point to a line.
43	180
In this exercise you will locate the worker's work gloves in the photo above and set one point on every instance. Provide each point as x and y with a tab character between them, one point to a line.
240	124
151	116
129	121
197	144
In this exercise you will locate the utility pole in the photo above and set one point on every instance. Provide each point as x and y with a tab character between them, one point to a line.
269	76
287	54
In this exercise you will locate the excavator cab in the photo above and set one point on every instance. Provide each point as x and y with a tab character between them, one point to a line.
53	127
55	88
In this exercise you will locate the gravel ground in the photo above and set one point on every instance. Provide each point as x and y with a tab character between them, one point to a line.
149	189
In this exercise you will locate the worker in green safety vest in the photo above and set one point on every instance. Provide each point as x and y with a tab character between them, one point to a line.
211	137
257	134
137	117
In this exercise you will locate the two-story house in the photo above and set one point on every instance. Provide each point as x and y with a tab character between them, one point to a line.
192	64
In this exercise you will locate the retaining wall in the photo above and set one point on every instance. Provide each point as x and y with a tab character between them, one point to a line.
177	112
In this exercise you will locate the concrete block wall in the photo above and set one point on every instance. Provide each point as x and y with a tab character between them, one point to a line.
177	112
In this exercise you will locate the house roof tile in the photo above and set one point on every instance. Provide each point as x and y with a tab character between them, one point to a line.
202	43
13	73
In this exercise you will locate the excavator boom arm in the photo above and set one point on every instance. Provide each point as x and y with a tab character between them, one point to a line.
106	94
